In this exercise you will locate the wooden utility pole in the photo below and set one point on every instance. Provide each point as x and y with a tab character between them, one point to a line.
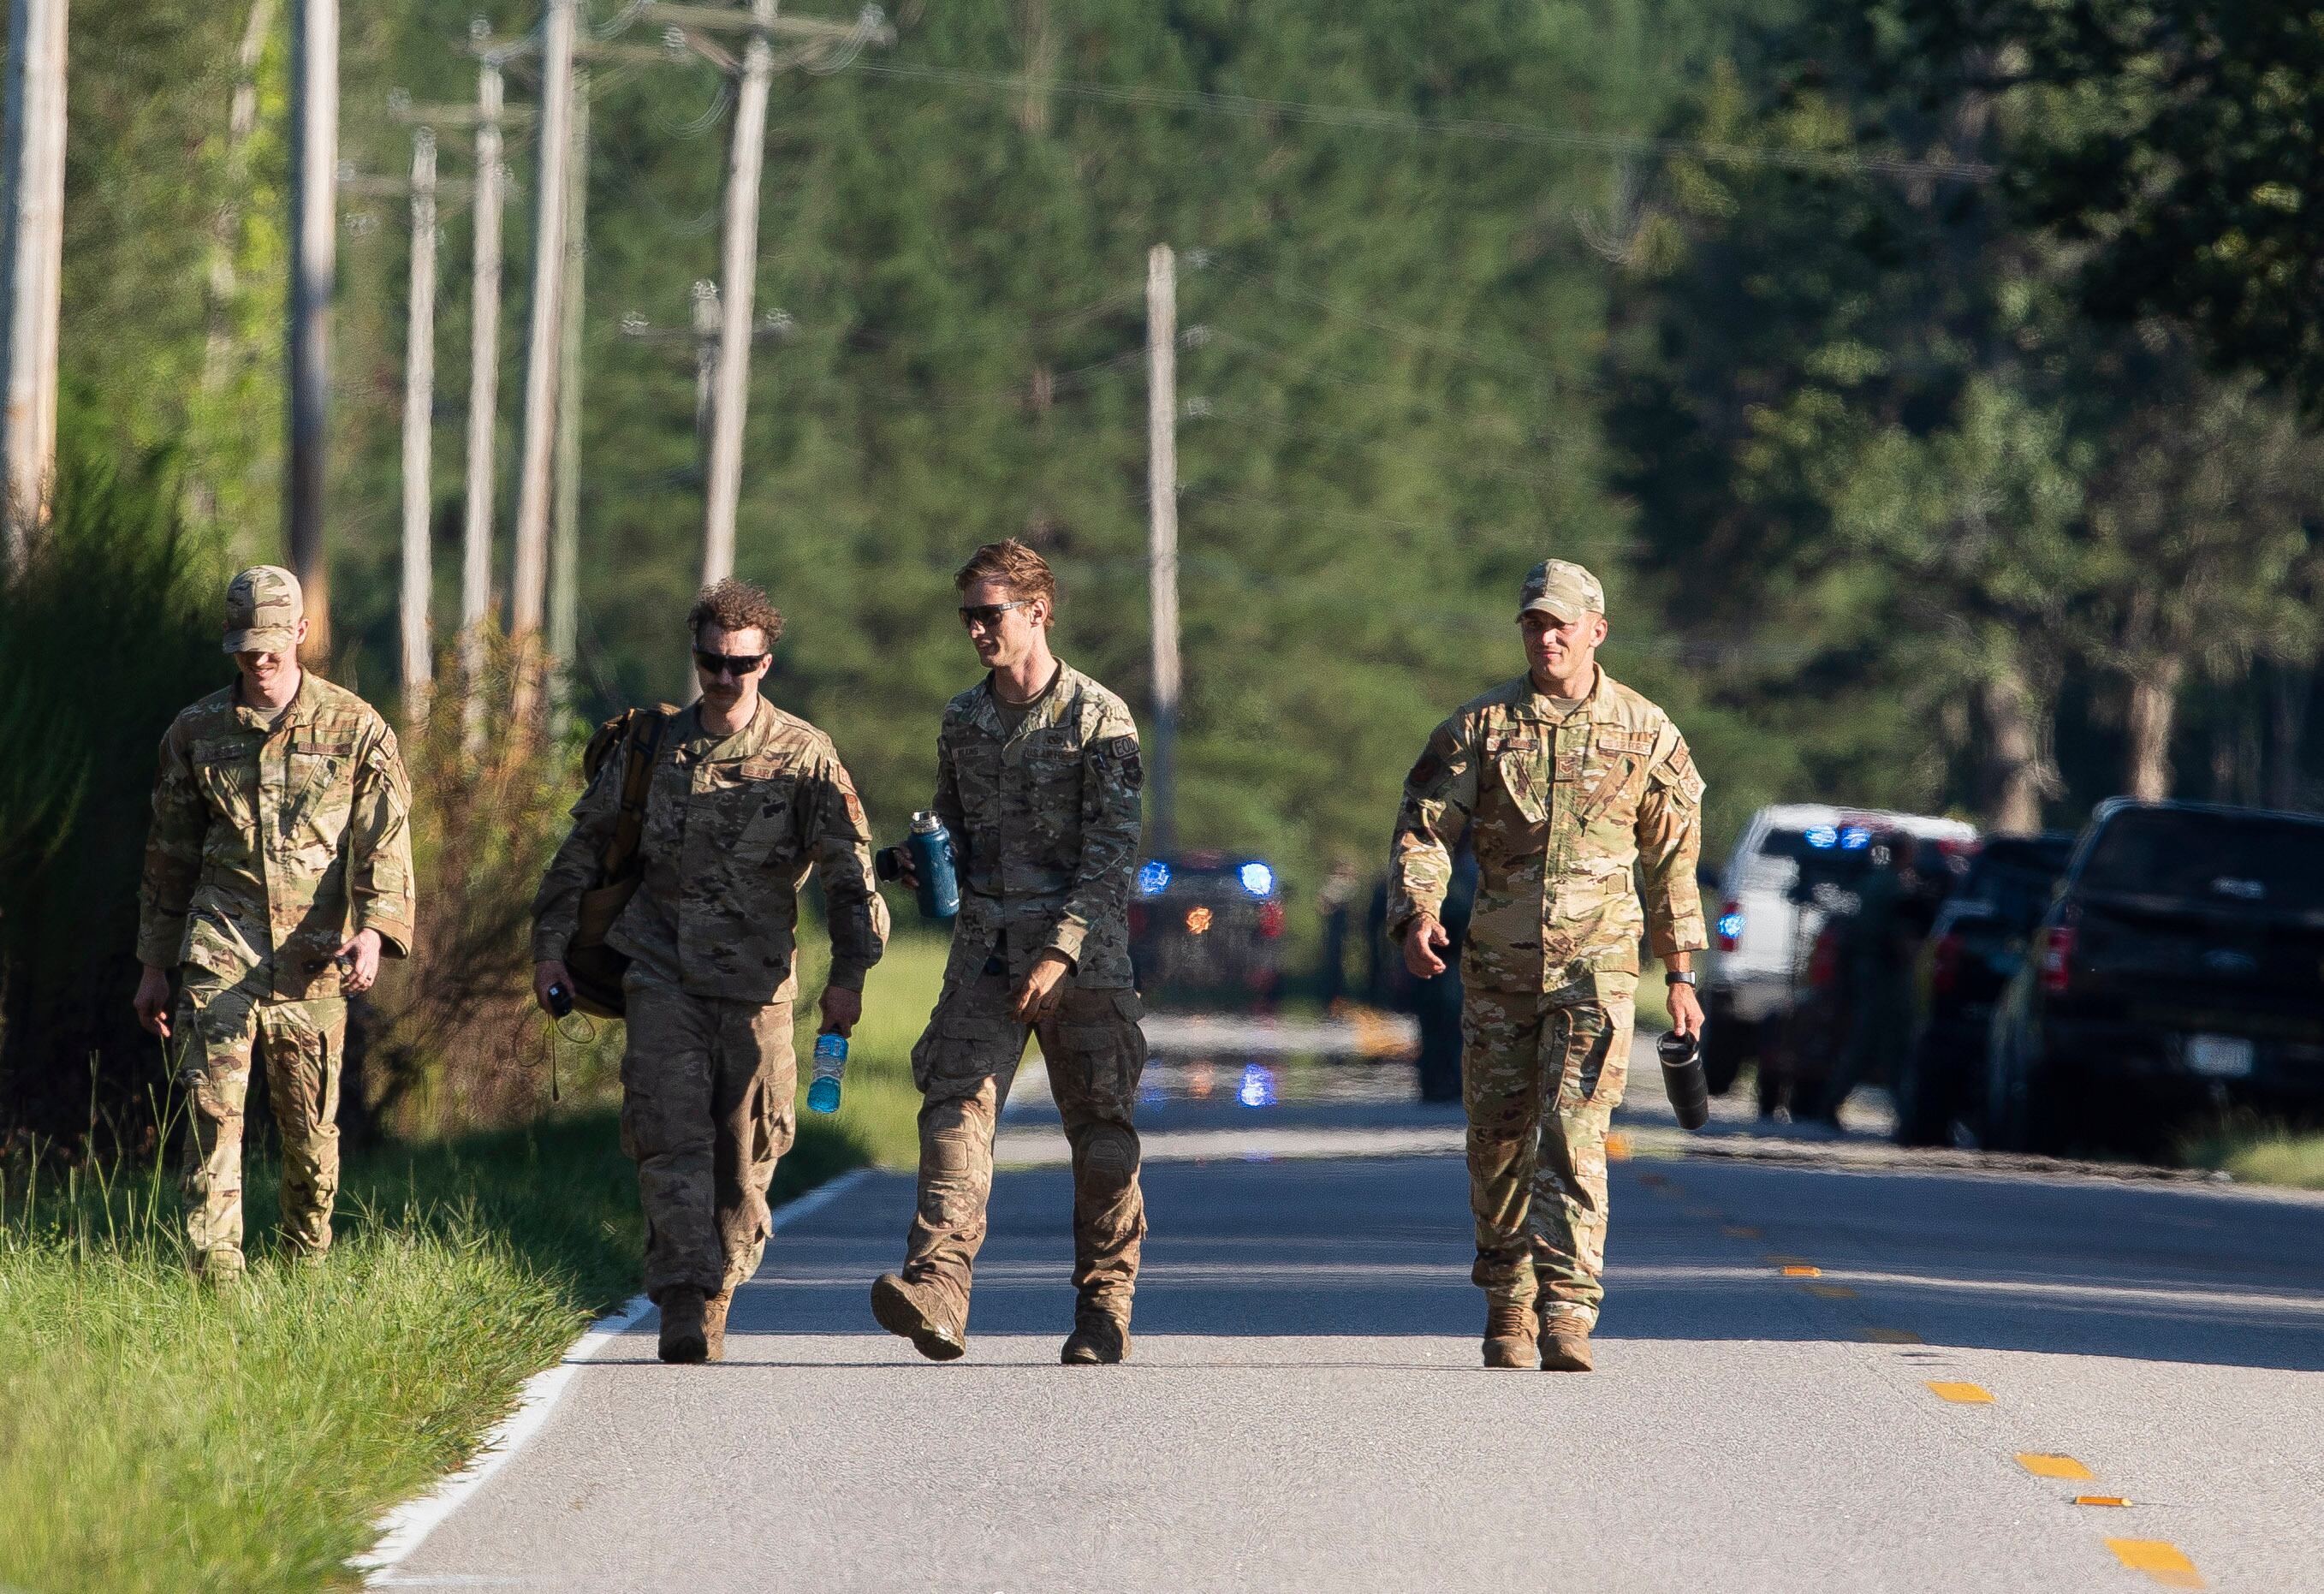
484	401
565	525
314	227
1162	529
31	267
528	579
738	268
419	411
705	367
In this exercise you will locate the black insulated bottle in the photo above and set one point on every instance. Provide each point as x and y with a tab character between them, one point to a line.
1682	1080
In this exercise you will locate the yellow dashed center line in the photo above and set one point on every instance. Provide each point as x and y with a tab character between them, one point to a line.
2053	1466
2158	1559
1801	1270
1618	1147
1963	1393
2100	1500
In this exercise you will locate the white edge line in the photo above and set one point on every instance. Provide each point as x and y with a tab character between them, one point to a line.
407	1526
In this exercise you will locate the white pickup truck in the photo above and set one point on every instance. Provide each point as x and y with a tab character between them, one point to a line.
1760	938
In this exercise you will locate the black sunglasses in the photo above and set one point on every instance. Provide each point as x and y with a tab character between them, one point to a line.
736	664
988	615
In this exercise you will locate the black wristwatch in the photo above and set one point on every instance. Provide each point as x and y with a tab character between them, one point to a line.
1678	976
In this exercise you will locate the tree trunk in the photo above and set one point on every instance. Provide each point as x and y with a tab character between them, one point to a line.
2153	705
2016	776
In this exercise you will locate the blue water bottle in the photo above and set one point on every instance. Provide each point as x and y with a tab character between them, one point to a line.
939	887
830	1062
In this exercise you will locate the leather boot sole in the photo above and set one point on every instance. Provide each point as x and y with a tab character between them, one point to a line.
895	1311
1097	1349
1566	1353
1512	1353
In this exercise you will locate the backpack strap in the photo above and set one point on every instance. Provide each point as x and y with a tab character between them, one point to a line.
640	741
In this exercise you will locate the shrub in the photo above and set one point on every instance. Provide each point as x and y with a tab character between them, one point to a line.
112	629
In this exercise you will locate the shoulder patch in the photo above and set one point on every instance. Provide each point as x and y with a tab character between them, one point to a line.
855	811
1123	748
1425	772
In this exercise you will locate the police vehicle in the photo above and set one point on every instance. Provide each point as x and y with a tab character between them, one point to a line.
1206	930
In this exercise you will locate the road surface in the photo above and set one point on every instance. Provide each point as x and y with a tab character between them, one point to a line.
1820	1368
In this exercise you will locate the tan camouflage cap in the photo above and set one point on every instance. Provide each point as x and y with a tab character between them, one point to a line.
1560	590
263	607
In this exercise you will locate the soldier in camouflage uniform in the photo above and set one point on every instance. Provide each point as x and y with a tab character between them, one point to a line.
1038	779
743	800
1567	784
277	874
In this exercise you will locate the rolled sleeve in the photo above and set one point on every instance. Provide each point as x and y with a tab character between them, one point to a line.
1670	843
1440	794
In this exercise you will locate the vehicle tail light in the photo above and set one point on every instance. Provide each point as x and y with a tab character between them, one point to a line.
1270	919
1731	924
2058	959
1944	963
1823	962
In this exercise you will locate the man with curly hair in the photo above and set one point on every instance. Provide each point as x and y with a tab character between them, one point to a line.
1038	779
743	799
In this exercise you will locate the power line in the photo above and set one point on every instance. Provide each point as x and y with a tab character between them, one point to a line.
1250	108
1419	337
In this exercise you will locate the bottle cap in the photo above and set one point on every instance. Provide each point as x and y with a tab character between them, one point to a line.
926	823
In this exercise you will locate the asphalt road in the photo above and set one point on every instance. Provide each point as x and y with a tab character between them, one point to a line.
1305	1409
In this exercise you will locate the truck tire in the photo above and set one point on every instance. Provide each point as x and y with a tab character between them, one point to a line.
1923	1096
1728	1044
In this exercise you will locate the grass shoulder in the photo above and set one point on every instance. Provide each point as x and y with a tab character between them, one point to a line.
2256	1151
156	1434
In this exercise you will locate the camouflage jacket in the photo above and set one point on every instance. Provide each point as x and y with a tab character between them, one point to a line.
1043	824
1560	813
732	827
275	845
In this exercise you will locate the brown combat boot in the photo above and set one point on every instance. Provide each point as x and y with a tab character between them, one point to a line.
1098	1339
1565	1346
913	1312
683	1337
1509	1327
714	1325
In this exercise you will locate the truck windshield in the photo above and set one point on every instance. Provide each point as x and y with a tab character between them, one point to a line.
2270	863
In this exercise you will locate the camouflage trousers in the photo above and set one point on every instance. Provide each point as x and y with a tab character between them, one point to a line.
224	1025
964	1065
1540	1077
707	1110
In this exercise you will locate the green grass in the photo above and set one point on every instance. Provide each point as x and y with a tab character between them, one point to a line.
878	1105
157	1435
2259	1152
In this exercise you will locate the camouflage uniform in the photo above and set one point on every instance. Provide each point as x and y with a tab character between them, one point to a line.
271	845
1560	806
1044	823
732	826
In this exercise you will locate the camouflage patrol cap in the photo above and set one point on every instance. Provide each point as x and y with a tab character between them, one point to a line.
262	609
1560	590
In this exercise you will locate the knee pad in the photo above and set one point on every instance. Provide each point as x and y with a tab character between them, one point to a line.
1109	1153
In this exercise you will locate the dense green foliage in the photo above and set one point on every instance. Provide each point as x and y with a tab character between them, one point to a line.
1887	514
2177	139
98	644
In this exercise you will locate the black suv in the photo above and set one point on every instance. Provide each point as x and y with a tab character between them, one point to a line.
2181	965
1975	945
